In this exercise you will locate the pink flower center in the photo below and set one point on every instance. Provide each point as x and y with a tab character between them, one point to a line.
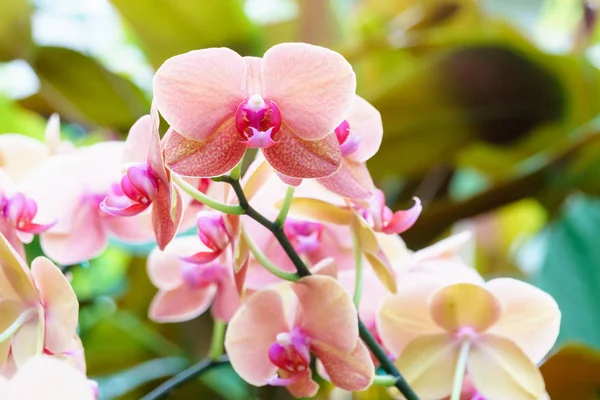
291	354
257	120
304	235
201	275
20	211
347	138
382	219
212	230
138	188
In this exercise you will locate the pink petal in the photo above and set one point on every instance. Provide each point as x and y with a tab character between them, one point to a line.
352	180
19	155
52	134
197	91
134	229
181	304
326	312
499	369
156	158
164	266
13	237
298	158
350	371
304	387
227	300
428	365
28	342
403	220
15	281
216	155
61	309
365	121
137	144
464	305
250	334
530	317
166	216
312	86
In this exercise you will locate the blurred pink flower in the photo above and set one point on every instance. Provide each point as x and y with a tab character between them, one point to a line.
287	103
270	339
147	182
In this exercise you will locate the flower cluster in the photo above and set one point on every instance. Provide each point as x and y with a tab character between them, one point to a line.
299	254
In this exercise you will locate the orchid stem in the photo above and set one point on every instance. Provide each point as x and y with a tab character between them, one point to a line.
302	270
216	344
206	200
384	380
265	262
459	374
14	327
358	265
163	390
285	207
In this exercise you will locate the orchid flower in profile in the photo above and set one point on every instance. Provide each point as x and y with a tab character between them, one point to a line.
38	308
287	103
187	289
147	182
46	377
439	328
68	188
359	136
271	337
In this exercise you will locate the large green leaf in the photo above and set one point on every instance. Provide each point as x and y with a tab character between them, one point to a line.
82	90
169	27
571	270
15	29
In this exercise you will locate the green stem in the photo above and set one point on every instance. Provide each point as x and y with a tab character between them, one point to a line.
14	327
459	372
206	200
265	262
384	380
216	345
163	390
285	207
358	265
236	172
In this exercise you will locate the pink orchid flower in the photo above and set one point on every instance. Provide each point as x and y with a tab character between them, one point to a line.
271	337
147	182
360	136
69	189
505	326
38	308
188	289
287	103
48	378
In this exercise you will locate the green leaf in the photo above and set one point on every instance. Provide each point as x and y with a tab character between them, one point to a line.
15	29
570	270
82	90
166	28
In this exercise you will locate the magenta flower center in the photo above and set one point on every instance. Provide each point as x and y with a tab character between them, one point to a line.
212	230
201	275
347	138
136	192
20	211
257	120
304	235
291	354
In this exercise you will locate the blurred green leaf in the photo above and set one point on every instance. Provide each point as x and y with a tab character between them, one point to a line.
166	28
80	89
15	29
105	275
14	119
570	270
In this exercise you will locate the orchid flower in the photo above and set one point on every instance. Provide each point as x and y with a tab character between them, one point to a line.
69	188
287	103
271	337
38	308
147	182
48	378
359	136
187	289
497	331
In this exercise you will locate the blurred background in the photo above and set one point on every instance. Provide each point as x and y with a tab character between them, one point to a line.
490	112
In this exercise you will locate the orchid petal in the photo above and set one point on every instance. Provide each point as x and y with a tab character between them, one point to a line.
28	341
403	220
298	158
227	300
312	86
352	180
10	310
183	303
319	211
197	91
137	144
167	212
128	211
365	122
499	369
213	156
20	155
464	305
164	266
530	317
303	386
15	281
350	371
250	334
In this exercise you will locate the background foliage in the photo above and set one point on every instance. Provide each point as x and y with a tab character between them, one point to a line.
490	111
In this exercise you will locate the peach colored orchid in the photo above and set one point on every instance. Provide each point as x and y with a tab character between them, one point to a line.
287	103
69	188
147	182
270	338
47	378
497	331
38	308
188	289
360	136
